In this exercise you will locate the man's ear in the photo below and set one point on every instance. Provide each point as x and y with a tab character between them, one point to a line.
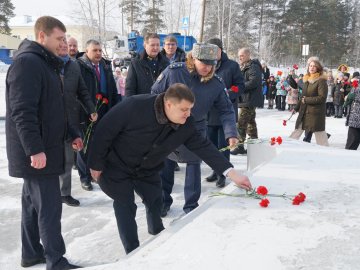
41	37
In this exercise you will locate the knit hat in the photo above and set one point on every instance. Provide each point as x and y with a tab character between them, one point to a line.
356	74
206	53
216	41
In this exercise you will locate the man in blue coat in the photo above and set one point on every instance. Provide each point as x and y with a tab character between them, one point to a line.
230	73
199	75
129	152
36	129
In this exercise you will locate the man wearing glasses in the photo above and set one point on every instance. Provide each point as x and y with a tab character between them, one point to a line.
172	51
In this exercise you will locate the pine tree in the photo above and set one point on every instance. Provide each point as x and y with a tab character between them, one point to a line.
134	10
154	22
6	12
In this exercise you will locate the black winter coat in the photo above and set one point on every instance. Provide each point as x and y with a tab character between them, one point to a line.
252	95
137	145
140	78
35	111
231	75
88	74
76	92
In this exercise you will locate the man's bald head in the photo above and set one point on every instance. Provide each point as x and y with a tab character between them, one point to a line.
244	55
73	47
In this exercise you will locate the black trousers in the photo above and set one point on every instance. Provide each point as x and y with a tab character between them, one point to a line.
353	139
41	219
121	189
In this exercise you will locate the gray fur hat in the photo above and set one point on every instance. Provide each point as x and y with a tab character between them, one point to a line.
206	53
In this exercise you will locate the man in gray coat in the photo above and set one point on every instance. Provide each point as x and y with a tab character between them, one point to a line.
75	91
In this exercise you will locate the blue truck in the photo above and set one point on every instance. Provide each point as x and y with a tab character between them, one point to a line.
135	42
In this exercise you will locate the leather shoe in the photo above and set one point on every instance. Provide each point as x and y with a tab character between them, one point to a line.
32	262
220	183
239	150
70	201
87	186
213	177
164	210
71	266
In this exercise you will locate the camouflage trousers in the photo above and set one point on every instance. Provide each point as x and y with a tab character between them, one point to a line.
246	123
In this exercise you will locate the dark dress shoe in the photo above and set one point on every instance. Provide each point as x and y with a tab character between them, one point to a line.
32	262
239	150
212	178
87	186
164	210
70	201
220	183
71	266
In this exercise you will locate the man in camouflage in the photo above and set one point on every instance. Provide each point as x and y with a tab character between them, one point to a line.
250	98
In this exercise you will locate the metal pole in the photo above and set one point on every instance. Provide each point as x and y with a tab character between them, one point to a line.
202	20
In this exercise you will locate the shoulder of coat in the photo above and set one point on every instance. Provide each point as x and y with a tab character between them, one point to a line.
219	78
177	65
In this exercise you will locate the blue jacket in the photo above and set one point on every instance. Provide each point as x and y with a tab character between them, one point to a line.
207	95
231	75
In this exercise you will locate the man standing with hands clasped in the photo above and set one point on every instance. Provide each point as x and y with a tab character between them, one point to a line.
36	129
127	155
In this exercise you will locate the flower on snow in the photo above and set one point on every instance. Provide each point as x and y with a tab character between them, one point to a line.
262	194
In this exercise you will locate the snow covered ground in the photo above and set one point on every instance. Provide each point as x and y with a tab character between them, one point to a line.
238	231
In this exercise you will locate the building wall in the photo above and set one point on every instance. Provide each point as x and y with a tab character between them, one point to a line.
9	42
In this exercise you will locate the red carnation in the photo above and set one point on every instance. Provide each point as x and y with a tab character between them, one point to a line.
284	122
295	66
264	202
296	200
98	96
301	196
105	101
279	73
279	140
234	88
355	83
262	190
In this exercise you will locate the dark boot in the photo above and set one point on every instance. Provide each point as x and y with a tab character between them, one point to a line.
239	150
32	262
220	183
212	178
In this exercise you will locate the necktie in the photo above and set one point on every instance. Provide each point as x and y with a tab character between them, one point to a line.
97	72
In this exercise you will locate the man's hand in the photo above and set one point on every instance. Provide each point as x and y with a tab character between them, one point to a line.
77	144
303	100
93	117
233	142
95	174
38	161
241	181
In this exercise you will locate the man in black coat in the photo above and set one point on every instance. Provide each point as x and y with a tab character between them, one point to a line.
171	50
35	133
145	68
99	79
230	73
250	98
129	152
75	93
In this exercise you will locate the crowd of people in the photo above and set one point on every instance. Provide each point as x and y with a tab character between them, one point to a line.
130	127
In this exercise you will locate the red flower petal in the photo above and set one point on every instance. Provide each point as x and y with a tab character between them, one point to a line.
296	200
105	101
264	202
98	96
279	140
262	190
284	122
301	196
234	88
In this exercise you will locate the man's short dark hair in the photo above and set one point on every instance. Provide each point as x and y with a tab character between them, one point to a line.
47	24
151	35
179	92
92	42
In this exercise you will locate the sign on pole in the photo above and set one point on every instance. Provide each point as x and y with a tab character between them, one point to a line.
185	23
305	49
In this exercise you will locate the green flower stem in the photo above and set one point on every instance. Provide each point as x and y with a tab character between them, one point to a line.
253	194
248	141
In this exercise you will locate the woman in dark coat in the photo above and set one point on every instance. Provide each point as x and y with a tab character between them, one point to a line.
312	106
